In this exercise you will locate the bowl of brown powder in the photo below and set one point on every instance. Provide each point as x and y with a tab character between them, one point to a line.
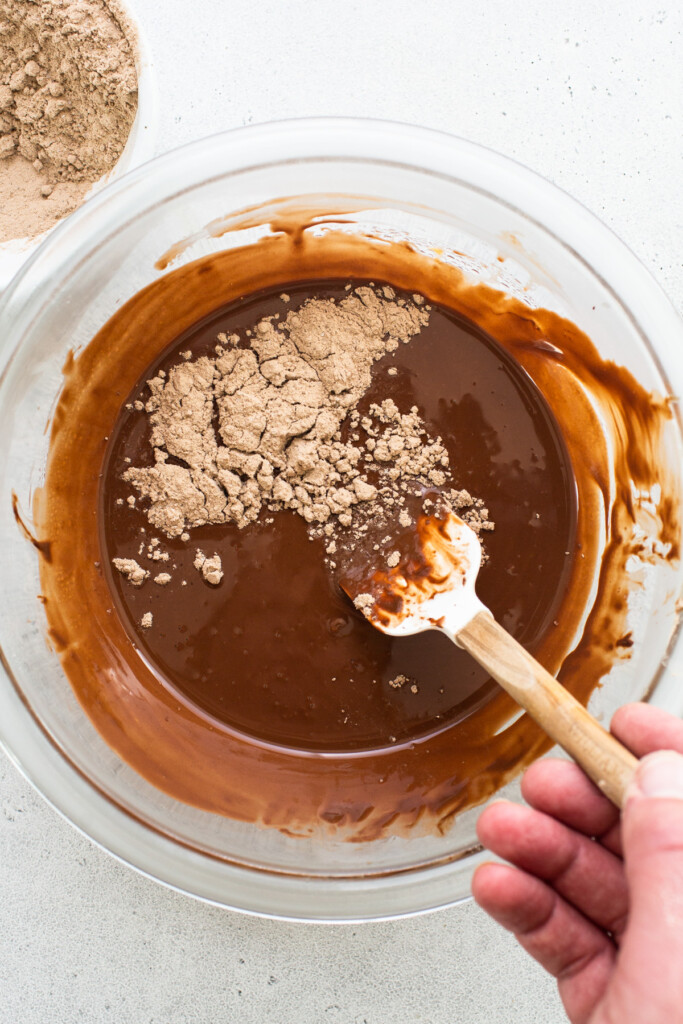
259	360
77	108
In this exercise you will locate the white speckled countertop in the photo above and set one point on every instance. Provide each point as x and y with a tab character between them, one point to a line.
590	96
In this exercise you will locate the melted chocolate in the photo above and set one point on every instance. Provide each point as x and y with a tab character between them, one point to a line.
276	649
433	773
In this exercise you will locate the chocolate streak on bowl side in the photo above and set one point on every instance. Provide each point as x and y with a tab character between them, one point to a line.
363	794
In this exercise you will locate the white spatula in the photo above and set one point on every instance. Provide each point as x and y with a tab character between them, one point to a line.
442	596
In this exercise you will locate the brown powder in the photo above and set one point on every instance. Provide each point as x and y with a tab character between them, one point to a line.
68	98
210	568
407	461
133	572
24	209
280	403
276	424
364	602
400	680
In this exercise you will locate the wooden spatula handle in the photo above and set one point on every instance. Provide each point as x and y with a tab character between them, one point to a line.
609	764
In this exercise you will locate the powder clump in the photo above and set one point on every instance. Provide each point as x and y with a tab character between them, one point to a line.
210	568
129	568
262	425
398	681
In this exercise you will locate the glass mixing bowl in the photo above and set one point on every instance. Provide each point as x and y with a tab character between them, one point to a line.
435	191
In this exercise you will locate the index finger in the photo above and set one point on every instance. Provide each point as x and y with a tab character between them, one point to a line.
644	729
560	788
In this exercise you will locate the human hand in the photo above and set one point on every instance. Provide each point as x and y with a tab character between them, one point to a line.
595	898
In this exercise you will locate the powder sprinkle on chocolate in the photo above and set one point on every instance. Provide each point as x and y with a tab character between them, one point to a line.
262	425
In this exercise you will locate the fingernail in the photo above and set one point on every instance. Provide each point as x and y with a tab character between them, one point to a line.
659	775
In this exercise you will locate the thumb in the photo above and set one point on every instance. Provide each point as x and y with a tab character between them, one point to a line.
652	830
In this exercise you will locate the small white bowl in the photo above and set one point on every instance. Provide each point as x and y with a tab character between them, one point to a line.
138	149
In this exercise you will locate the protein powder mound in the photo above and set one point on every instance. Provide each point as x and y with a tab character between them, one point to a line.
279	407
68	98
272	420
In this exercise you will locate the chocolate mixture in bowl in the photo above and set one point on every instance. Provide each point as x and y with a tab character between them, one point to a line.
280	411
231	436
